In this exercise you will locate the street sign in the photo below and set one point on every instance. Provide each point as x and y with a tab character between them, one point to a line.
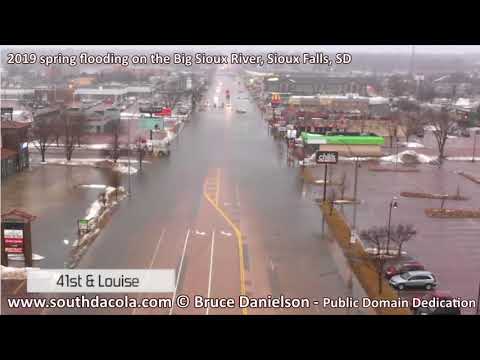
152	123
83	225
326	157
16	235
7	110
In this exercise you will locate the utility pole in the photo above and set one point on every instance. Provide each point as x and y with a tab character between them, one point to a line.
393	205
412	61
474	144
128	152
478	300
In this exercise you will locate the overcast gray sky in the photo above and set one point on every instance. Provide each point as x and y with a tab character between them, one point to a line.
419	49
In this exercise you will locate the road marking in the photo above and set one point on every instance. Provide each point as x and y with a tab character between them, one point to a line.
238	234
217	195
179	271
156	248
152	261
211	268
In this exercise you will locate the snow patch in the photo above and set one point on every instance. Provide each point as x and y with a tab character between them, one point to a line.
412	145
12	273
408	157
21	257
463	158
93	186
124	169
94	210
89	161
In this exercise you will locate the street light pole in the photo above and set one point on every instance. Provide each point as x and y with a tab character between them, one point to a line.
128	152
478	300
393	204
355	195
474	144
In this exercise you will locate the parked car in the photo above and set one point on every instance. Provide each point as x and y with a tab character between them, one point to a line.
404	267
440	295
414	279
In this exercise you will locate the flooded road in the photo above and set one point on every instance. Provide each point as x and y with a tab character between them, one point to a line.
227	213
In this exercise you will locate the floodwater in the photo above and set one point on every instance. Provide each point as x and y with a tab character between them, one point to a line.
51	193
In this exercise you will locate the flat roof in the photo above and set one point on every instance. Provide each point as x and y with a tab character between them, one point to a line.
17	91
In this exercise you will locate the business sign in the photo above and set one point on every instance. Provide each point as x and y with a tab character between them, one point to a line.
7	110
326	157
13	241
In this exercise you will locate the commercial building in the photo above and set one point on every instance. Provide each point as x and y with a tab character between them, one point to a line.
112	94
15	155
17	94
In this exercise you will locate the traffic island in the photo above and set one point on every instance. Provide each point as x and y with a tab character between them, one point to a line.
432	196
453	213
361	263
392	169
98	217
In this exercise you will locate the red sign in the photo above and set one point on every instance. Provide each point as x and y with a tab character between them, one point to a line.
165	112
13	241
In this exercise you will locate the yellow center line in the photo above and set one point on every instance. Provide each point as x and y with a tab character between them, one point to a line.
238	235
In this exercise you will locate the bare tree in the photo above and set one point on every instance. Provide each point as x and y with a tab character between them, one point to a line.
41	135
400	234
116	182
392	127
115	140
376	236
171	99
443	123
410	122
57	129
73	122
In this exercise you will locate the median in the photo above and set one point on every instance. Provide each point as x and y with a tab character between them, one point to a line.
361	263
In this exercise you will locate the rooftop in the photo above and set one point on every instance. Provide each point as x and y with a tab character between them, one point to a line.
8	124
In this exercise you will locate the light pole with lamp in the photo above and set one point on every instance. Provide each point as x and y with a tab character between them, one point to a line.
128	154
477	132
393	205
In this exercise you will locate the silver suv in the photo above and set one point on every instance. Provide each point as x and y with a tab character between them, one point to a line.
414	279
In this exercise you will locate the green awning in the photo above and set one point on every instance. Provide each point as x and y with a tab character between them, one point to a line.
316	139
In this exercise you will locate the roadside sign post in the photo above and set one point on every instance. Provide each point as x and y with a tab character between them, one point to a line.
16	236
326	157
325	183
82	227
